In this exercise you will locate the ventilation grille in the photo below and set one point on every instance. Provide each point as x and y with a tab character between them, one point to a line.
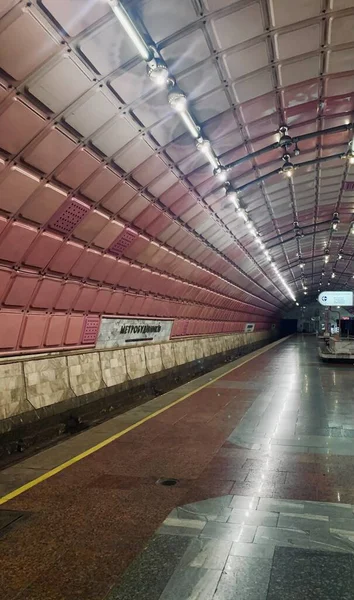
348	186
123	241
69	216
91	328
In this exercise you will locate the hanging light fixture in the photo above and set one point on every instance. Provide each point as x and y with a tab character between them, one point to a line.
177	99
333	275
326	255
284	140
288	167
158	72
204	146
297	230
350	153
352	228
130	29
340	255
221	173
335	221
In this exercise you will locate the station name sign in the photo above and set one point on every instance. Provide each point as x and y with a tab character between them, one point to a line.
125	332
336	298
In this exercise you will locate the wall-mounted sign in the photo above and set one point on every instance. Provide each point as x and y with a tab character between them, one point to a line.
249	327
123	332
336	298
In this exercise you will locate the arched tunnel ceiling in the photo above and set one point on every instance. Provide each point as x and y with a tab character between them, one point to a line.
96	166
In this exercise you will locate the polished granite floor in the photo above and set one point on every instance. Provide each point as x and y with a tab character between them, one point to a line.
262	508
247	548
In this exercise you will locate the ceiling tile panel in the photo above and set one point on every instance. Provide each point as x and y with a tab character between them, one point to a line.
162	20
107	48
238	26
149	171
340	60
74	21
90	226
60	85
132	83
91	113
37	45
50	151
252	87
114	137
15	187
43	204
287	12
78	169
179	59
134	155
115	200
106	236
342	30
300	41
18	125
100	185
239	63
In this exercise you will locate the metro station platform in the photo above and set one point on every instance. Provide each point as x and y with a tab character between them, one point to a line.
258	458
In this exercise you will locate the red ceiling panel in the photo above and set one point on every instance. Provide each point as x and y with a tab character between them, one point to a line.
101	301
33	333
50	151
102	268
10	325
56	329
19	123
5	276
42	205
16	186
67	256
85	299
115	302
78	169
47	292
86	263
21	290
74	331
68	217
124	240
15	241
90	331
100	185
69	292
90	226
43	250
114	276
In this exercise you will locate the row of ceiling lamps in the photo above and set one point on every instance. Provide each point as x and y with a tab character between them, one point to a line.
158	72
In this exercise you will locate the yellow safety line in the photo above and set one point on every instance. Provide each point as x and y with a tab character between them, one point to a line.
116	436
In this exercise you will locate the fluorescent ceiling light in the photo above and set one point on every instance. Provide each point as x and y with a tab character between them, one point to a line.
231	195
130	28
193	129
243	214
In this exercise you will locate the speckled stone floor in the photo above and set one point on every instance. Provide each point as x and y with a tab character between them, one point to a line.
248	548
273	438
